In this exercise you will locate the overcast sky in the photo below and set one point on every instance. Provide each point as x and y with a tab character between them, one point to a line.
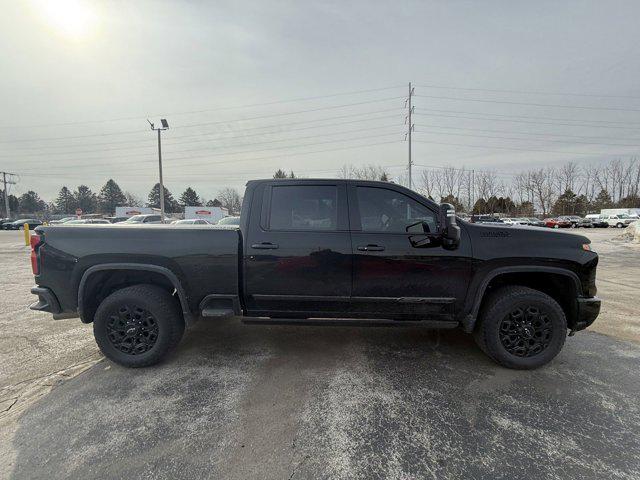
79	78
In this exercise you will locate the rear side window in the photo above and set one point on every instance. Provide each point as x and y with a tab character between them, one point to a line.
384	210
304	207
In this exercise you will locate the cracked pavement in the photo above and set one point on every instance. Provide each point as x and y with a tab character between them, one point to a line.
282	402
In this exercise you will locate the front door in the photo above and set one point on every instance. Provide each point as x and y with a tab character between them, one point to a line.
400	269
298	250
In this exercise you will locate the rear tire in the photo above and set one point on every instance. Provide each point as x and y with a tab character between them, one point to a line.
138	326
619	225
521	328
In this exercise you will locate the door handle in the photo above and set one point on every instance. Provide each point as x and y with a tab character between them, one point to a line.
371	248
264	246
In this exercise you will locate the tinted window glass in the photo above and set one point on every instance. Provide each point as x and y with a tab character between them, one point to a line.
383	210
152	218
304	207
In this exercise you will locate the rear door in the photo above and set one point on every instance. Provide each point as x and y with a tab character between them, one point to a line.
399	271
297	259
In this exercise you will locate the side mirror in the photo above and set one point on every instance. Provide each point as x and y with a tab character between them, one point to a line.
450	229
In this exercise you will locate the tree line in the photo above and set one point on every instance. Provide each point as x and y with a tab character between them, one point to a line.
111	196
567	189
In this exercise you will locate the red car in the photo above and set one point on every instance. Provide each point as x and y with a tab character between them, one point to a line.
557	223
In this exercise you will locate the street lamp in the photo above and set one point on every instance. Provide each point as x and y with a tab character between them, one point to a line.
165	126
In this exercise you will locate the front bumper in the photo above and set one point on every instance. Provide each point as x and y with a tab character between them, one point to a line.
588	310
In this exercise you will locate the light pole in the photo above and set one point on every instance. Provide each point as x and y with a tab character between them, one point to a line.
165	126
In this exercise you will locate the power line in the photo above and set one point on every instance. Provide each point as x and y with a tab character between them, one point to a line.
282	114
525	92
524	121
126	160
200	164
547	140
596	122
581	107
36	139
328	134
545	134
507	148
208	110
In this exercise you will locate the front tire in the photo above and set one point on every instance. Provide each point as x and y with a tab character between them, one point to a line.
619	225
521	328
138	326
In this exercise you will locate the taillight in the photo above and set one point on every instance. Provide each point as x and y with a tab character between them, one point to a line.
35	242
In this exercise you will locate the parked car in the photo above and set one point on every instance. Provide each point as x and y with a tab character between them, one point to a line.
19	224
596	220
148	218
192	221
485	219
535	222
577	221
618	221
229	221
88	221
62	220
515	221
557	223
4	221
116	219
305	252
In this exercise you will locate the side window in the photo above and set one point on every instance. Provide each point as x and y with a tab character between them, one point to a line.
384	210
152	218
304	207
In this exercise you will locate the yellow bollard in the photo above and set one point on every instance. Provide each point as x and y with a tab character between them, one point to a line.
26	234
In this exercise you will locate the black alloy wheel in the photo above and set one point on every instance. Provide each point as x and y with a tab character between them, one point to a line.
526	331
132	330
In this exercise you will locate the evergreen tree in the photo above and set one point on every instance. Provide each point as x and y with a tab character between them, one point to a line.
189	198
457	205
110	197
480	207
214	203
30	202
85	199
170	204
603	200
282	174
66	202
565	204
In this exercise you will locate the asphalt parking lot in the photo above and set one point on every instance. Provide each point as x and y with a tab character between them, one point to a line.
283	402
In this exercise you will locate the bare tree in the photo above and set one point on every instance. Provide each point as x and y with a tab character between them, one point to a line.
366	172
230	199
542	186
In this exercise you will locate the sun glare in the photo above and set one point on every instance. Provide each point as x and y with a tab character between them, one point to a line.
73	19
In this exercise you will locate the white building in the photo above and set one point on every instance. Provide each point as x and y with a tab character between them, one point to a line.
213	214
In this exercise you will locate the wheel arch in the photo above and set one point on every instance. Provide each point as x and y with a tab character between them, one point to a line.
99	281
561	284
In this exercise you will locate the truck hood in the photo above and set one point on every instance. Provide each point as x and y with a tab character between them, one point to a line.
491	241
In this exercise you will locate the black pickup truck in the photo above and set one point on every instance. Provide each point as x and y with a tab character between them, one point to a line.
321	252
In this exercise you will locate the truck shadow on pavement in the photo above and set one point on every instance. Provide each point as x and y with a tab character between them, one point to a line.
238	401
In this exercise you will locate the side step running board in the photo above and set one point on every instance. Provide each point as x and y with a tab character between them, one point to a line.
348	322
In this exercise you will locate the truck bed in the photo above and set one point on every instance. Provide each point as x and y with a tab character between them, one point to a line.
203	259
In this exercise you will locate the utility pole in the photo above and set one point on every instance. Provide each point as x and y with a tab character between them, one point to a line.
165	126
410	129
6	192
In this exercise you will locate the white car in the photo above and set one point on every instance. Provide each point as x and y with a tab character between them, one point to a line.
515	221
618	221
192	221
